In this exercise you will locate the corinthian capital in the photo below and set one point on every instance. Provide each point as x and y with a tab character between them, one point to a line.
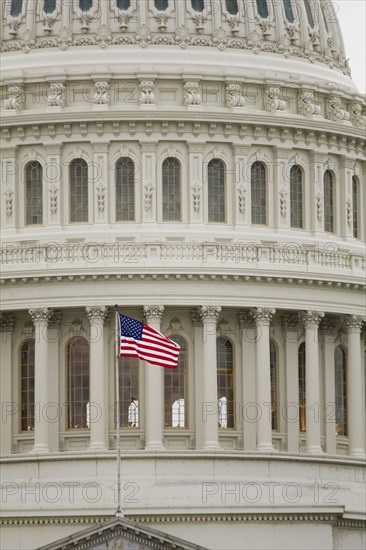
311	319
354	323
153	313
96	313
263	316
290	322
209	313
41	315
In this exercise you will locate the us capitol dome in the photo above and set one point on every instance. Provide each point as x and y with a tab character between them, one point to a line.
200	163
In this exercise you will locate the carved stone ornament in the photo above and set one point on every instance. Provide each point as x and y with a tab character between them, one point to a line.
354	322
182	37
9	201
55	319
153	313
191	94
77	327
356	117
147	96
53	192
56	94
101	96
329	325
290	322
15	99
49	19
96	313
283	202
311	319
349	212
196	193
100	189
246	319
272	101
334	110
7	322
199	20
306	104
175	324
41	316
263	316
220	38
242	199
148	195
319	207
209	313
234	97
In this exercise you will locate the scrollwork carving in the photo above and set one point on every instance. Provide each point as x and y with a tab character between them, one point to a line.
101	96
192	95
147	96
307	105
153	313
334	110
234	97
311	319
56	94
15	99
272	101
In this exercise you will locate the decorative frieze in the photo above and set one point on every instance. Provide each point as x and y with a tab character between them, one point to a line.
272	101
147	96
56	94
15	99
192	95
334	111
306	104
101	95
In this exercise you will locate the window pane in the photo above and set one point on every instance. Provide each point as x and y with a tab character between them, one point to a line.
27	355
340	391
259	193
225	379
302	387
34	199
296	197
309	13
198	5
355	206
328	202
77	383
176	390
85	5
79	190
288	11
16	7
216	191
125	190
49	6
232	6
262	8
129	392
274	385
123	4
161	5
171	190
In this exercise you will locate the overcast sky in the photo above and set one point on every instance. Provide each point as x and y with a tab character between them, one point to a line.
352	18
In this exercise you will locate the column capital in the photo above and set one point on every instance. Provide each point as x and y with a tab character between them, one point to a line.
353	323
96	313
263	316
209	313
196	317
246	319
7	322
311	319
153	313
290	322
41	315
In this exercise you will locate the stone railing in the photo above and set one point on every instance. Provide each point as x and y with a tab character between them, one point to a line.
290	257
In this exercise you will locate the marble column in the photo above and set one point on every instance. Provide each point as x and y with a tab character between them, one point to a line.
209	404
248	408
8	408
354	387
329	329
311	321
198	378
154	389
98	379
263	319
292	412
40	318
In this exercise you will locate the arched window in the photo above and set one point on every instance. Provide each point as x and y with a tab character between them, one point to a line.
77	388
49	6
232	7
262	8
171	189
259	193
125	190
309	13
302	386
129	391
328	202
161	5
34	193
296	197
78	191
288	11
355	206
274	384
216	191
16	7
340	390
85	5
198	5
27	354
225	382
123	4
175	384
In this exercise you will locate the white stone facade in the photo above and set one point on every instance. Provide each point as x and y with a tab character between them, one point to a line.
95	82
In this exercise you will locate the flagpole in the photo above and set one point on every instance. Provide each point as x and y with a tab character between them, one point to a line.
118	439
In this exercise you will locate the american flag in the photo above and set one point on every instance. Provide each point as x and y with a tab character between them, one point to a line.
140	340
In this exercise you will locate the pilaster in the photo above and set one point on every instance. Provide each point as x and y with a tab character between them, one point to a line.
248	407
290	325
329	329
8	408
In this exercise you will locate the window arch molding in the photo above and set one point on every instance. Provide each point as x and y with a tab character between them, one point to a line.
33	156
173	152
